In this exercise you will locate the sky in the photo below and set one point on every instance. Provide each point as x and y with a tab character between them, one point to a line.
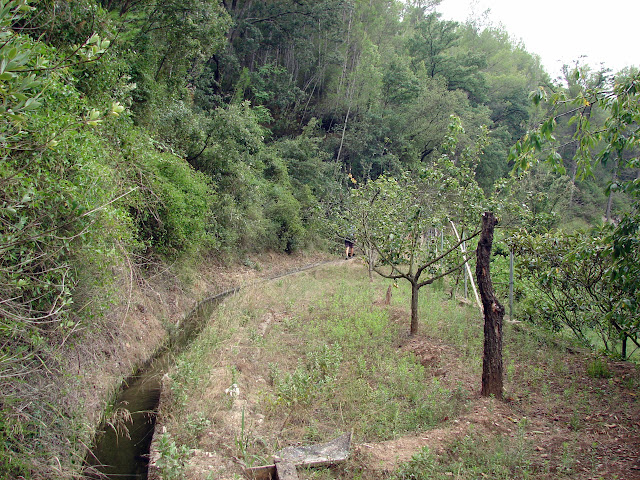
561	31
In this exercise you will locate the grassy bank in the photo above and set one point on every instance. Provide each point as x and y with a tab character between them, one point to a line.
305	358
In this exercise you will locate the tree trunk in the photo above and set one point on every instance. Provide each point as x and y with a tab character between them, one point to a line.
414	308
614	178
493	313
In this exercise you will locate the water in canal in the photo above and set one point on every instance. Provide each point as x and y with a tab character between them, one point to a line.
121	454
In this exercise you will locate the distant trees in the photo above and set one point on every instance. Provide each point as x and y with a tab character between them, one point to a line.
382	77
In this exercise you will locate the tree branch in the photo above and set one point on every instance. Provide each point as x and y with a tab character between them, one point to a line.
433	279
427	265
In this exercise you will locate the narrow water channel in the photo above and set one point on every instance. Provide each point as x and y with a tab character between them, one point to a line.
123	454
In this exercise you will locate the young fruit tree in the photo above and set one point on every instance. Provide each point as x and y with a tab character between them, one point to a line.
405	222
615	141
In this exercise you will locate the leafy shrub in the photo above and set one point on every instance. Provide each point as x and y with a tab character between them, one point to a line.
569	286
285	230
172	204
173	458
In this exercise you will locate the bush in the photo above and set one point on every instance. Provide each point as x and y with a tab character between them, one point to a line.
172	203
286	232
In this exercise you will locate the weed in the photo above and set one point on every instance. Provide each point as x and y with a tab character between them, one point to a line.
569	392
172	458
325	362
297	388
568	459
312	433
118	421
255	337
421	467
597	368
472	457
196	424
302	385
234	374
242	440
575	422
252	264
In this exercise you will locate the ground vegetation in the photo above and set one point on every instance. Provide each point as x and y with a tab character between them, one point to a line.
306	358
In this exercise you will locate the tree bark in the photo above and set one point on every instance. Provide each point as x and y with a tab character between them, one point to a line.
493	313
614	178
414	308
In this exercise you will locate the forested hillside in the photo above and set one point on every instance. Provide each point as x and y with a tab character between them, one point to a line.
137	133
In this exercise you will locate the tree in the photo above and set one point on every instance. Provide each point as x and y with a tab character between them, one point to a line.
434	47
616	140
405	221
570	275
493	312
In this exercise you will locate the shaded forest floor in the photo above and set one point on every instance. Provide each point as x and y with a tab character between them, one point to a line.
319	354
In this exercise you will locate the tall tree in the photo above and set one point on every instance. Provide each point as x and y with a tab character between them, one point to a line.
434	46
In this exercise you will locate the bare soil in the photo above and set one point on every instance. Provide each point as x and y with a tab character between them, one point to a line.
603	444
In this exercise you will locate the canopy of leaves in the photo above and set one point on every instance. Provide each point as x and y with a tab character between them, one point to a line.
404	220
573	275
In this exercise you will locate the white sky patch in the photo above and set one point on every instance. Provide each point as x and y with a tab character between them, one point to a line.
562	31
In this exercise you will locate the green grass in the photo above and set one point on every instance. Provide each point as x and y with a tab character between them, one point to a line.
331	363
377	391
317	354
472	457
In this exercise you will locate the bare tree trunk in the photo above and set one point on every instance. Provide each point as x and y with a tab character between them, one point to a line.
371	260
574	172
344	130
493	313
414	308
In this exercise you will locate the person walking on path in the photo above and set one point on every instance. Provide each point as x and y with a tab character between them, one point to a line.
349	243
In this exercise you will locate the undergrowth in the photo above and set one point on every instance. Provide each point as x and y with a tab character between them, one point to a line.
471	457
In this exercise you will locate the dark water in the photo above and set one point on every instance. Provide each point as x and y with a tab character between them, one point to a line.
119	456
